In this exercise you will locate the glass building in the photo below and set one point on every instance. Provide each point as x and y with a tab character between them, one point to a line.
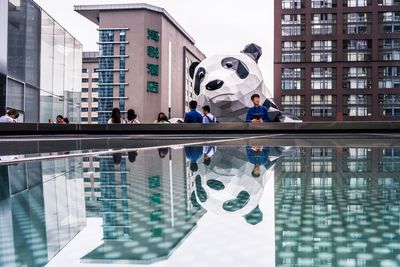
40	64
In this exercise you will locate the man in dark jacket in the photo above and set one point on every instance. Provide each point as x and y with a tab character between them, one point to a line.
258	113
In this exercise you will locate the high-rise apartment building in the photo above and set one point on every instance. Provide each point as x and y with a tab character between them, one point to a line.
40	64
144	56
90	94
338	59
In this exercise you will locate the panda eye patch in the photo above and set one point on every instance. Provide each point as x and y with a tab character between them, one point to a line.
237	65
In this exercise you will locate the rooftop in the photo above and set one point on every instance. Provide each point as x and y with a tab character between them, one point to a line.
91	12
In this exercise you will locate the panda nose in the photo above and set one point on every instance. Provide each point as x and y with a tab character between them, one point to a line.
214	85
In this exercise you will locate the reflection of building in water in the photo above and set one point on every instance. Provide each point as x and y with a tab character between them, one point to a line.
41	210
338	207
91	176
144	205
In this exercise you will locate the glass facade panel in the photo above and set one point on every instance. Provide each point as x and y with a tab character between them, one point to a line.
32	96
15	95
61	67
59	61
16	39
32	46
3	81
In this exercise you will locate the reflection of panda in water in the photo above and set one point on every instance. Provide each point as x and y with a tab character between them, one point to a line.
228	185
226	83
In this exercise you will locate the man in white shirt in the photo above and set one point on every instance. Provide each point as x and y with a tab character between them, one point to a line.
207	116
10	117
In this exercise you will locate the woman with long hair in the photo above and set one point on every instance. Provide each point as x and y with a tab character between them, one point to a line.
162	118
116	117
132	117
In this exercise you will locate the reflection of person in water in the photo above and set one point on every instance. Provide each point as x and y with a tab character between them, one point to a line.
117	158
257	156
194	153
208	152
163	152
132	156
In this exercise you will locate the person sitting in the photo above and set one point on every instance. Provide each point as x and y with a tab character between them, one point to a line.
60	119
162	118
207	116
258	113
10	117
116	117
193	116
132	117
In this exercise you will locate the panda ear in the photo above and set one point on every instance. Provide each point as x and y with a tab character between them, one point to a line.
253	51
192	68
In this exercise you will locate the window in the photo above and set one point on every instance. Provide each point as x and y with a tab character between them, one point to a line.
357	78
293	104
357	105
95	80
292	4
292	78
84	119
85	80
389	77
389	104
389	22
323	105
389	49
84	109
323	24
84	70
389	2
323	3
85	90
323	51
357	50
323	78
357	3
357	23
293	51
293	25
84	99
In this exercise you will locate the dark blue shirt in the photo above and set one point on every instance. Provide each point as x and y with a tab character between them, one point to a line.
193	116
260	111
258	157
193	153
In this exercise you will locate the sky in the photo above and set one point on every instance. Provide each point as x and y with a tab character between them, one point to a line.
218	26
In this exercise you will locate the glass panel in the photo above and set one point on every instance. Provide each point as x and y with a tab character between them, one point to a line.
15	95
32	60
32	96
16	38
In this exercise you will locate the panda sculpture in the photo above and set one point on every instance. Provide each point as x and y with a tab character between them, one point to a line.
226	83
228	187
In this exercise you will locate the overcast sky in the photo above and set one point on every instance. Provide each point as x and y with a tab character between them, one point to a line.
218	26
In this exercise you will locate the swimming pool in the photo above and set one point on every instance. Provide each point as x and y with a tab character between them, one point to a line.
263	201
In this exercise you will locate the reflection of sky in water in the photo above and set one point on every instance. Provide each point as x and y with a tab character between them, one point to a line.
228	206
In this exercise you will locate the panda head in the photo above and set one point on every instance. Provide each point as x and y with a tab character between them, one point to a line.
227	77
226	186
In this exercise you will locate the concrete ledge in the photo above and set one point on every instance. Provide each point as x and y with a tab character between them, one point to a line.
212	129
